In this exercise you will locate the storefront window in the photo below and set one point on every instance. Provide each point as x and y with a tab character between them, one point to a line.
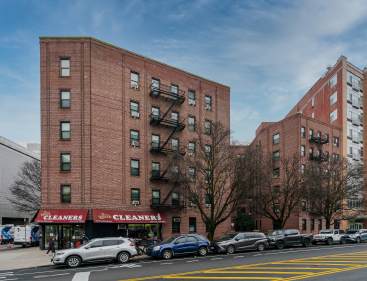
66	236
143	231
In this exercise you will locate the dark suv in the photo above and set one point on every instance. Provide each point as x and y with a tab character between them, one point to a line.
233	242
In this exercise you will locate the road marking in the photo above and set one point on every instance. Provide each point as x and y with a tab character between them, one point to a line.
166	263
266	272
81	276
217	259
193	261
238	257
60	274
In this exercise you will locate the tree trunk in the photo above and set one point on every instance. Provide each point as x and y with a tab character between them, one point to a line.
328	223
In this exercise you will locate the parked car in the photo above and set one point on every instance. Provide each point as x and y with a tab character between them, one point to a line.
288	237
28	235
233	242
328	236
180	245
356	235
120	249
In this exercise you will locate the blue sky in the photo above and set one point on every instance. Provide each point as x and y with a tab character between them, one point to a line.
269	52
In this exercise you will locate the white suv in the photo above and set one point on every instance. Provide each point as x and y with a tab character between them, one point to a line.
329	236
120	249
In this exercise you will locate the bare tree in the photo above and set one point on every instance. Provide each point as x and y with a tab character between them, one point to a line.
213	179
26	189
330	185
280	188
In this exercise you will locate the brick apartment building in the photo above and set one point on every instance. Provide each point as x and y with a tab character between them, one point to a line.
334	107
109	119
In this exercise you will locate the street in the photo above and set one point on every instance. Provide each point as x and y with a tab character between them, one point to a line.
321	262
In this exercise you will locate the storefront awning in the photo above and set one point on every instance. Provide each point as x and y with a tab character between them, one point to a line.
128	216
62	216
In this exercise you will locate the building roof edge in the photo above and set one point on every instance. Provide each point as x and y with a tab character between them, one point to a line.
19	148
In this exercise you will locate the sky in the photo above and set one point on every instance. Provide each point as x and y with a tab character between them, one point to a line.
269	52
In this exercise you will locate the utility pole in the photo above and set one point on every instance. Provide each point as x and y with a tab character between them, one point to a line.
25	232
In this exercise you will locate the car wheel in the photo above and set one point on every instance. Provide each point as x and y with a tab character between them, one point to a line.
314	243
123	257
260	247
230	249
167	254
203	251
358	240
280	244
73	261
306	243
329	241
342	241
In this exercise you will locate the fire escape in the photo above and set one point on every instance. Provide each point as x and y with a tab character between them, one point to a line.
170	120
319	141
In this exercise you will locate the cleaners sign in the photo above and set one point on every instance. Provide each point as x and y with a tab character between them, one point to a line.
62	216
127	217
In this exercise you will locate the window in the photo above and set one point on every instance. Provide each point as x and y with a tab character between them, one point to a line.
336	157
134	77
192	224
303	206
65	130
174	92
276	207
191	239
303	224
176	224
65	161
333	98
276	156
191	97
311	152
156	169
134	165
313	102
208	102
276	173
319	224
336	141
174	144
175	198
319	135
327	138
208	150
276	138
65	194
191	123
135	195
180	240
155	141
191	148
97	244
155	85
333	81
65	67
303	150
207	199
208	176
134	138
303	169
327	155
276	190
65	98
303	132
156	197
333	116
311	133
192	174
312	224
174	118
208	127
313	114
134	109
174	171
155	113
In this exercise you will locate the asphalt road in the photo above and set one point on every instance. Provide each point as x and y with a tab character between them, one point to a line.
337	262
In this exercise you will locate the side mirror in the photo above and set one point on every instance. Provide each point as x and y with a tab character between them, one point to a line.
237	239
87	247
176	242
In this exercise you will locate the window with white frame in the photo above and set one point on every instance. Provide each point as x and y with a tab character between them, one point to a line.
134	77
310	133
208	127
313	102
65	98
191	123
276	138
65	67
333	81
333	98
313	114
303	168
303	150
191	148
208	102
303	132
191	97
333	116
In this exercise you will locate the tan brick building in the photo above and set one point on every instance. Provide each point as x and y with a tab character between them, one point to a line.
109	119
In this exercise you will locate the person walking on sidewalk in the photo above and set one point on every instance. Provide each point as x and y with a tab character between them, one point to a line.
84	238
51	246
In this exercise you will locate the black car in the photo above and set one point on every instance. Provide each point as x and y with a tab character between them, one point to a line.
233	242
289	237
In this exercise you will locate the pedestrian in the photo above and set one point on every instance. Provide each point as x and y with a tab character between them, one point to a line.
51	246
84	238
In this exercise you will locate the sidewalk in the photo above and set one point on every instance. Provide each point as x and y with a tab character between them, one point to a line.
32	257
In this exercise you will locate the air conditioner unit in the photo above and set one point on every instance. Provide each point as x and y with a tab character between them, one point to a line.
134	86
191	154
337	211
135	202
192	205
208	107
192	102
208	205
135	114
176	219
135	143
191	179
121	226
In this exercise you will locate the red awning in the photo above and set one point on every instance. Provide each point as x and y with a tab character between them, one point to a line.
128	217
62	216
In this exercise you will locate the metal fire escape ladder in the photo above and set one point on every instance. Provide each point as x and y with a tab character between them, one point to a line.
169	194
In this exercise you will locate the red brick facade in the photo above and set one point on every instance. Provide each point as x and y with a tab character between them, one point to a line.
99	114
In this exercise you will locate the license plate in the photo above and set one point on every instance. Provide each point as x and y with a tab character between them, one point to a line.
24	243
317	239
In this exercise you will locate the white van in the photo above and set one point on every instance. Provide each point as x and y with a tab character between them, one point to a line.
7	233
27	235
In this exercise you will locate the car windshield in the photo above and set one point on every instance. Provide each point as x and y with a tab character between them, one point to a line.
351	231
276	232
326	231
169	240
228	236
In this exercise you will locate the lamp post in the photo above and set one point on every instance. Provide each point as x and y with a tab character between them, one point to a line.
25	232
